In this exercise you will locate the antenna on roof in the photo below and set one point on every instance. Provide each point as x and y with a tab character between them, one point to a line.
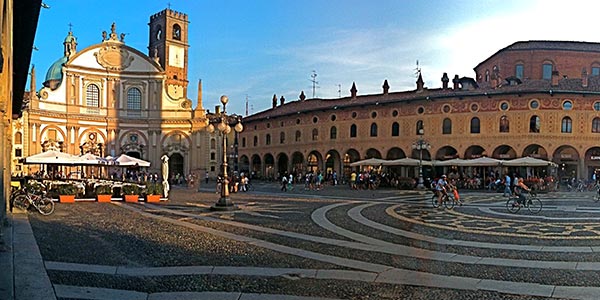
314	82
247	104
417	70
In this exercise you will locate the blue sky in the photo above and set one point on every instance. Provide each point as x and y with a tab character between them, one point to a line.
258	48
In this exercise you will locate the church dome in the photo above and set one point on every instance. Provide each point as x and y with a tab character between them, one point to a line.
54	74
70	38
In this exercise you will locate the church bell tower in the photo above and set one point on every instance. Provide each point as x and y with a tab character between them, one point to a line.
168	45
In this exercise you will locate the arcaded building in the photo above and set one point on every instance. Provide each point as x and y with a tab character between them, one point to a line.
532	98
109	99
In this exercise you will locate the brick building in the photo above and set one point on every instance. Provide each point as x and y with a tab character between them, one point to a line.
532	98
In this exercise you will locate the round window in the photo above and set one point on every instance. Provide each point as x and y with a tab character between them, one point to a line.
297	121
315	119
597	106
474	107
534	104
567	105
504	106
354	114
374	115
446	108
395	113
420	110
268	125
333	117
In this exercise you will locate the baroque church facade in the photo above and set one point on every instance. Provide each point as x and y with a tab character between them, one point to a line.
110	99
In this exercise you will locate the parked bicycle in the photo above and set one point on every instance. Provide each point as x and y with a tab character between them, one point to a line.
532	202
24	199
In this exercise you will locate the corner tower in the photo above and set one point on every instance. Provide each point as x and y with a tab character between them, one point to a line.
168	45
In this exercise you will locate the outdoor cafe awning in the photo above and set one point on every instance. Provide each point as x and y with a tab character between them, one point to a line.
53	157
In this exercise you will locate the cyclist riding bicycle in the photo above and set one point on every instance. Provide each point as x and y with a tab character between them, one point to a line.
440	189
520	190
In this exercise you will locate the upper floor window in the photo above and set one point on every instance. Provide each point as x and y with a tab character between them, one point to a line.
243	142
268	139
395	129
535	124
92	96
595	71
177	32
333	133
566	125
18	138
504	124
419	129
282	138
547	71
255	142
134	101
596	125
519	71
373	129
315	134
213	144
475	125
487	75
353	131
447	126
298	136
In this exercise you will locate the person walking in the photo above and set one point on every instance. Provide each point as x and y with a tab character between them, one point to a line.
507	181
284	182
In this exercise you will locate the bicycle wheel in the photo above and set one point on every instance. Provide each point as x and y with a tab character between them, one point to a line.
21	202
512	205
448	201
434	201
534	205
45	206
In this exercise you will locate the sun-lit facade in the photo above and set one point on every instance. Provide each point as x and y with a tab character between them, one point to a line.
533	98
110	98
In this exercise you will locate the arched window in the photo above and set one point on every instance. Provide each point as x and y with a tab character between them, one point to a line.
504	124
298	136
315	134
395	129
353	131
268	139
535	124
596	125
519	70
475	126
566	125
213	144
333	133
282	138
134	101
158	33
92	96
447	126
177	32
255	141
420	128
374	129
18	138
547	70
487	75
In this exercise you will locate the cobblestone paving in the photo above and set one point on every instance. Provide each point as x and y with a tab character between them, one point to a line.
336	244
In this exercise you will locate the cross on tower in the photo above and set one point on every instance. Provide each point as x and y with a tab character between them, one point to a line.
70	26
169	5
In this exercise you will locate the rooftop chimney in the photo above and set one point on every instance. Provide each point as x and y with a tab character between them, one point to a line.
455	82
445	81
274	100
386	87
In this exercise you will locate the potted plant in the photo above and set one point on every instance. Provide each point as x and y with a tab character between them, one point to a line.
131	192
66	192
153	191
103	192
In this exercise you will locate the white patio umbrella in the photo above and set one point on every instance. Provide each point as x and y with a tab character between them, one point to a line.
125	160
54	157
407	161
368	162
482	162
450	162
528	162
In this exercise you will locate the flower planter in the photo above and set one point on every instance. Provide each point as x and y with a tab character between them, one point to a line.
67	198
104	198
131	198
153	198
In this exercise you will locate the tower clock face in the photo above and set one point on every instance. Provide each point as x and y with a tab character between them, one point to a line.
176	56
175	91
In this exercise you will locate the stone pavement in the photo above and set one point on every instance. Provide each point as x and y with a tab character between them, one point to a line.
27	276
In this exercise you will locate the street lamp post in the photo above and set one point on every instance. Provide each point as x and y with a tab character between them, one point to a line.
224	124
420	145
